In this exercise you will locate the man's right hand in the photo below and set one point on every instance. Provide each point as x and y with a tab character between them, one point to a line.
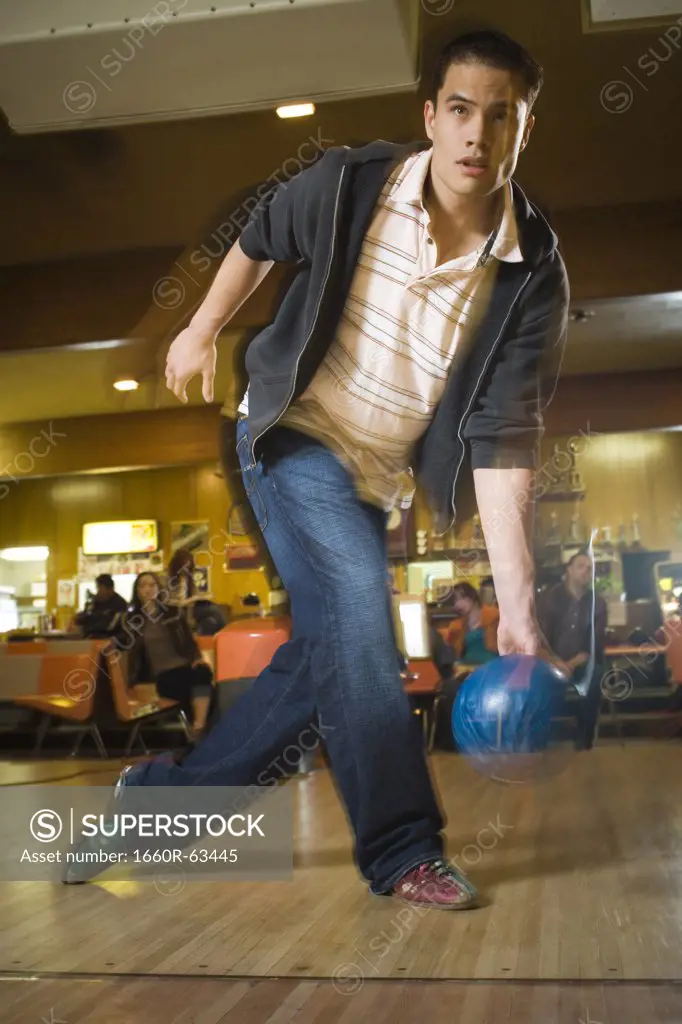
193	352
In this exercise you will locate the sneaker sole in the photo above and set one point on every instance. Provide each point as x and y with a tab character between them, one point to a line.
472	904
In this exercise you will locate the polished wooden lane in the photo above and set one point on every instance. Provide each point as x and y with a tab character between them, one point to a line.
290	1001
581	875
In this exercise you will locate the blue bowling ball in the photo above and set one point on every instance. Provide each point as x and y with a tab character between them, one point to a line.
504	719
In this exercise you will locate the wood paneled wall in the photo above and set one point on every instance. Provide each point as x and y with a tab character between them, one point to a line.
616	402
190	435
625	475
52	512
151	293
134	440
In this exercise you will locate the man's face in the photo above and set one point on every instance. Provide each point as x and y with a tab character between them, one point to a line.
481	117
579	571
104	593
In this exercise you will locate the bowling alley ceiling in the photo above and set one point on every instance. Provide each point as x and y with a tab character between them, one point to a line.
80	209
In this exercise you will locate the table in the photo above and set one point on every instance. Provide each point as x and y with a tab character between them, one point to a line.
627	690
625	650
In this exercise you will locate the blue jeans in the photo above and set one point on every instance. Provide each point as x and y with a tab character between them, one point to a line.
337	676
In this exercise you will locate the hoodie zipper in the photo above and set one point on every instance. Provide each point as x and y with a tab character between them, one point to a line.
473	397
314	324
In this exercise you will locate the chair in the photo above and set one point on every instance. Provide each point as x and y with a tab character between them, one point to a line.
21	647
246	646
665	697
243	649
19	676
423	681
424	687
67	685
74	646
673	638
134	712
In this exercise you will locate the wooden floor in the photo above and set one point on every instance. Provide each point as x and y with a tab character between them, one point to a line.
582	878
285	1001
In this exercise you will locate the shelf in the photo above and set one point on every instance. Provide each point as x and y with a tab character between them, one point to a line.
450	555
561	496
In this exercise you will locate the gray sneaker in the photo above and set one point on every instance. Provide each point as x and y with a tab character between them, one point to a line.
91	856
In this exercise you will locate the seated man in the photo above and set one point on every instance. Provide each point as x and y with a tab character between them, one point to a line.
573	632
104	614
208	618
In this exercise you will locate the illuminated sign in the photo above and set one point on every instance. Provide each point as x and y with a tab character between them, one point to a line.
123	537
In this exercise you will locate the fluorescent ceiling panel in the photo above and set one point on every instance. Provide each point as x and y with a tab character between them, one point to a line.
627	10
618	15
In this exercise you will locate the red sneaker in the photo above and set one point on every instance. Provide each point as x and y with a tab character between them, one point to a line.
438	885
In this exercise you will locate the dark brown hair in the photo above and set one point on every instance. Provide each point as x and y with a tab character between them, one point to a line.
466	590
494	50
181	564
583	553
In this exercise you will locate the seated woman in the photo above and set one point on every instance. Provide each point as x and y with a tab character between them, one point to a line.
165	652
471	640
473	636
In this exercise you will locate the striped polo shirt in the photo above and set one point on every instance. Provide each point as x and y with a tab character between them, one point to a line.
405	324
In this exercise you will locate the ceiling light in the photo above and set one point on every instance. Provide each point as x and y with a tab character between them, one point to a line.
126	385
579	316
630	10
38	554
619	15
296	110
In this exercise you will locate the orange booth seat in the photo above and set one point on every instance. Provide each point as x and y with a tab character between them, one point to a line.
66	690
245	647
28	647
242	650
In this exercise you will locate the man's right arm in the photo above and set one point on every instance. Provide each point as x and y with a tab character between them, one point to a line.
194	350
237	278
280	230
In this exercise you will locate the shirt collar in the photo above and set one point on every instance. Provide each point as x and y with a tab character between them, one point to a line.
506	245
411	188
411	191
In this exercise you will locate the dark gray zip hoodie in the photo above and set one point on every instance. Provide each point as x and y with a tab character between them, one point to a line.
491	411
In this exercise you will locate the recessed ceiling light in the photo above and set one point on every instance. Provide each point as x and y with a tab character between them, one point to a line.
296	110
579	316
126	385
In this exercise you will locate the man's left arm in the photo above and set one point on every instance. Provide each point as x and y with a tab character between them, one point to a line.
509	547
504	433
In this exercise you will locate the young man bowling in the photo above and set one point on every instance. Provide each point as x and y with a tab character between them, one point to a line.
429	293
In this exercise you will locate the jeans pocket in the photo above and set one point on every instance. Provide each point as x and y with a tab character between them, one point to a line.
250	477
